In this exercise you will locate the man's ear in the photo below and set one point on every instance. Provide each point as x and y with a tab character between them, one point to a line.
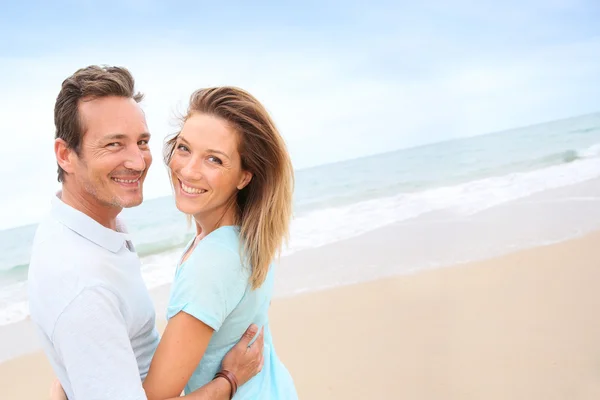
246	178
64	156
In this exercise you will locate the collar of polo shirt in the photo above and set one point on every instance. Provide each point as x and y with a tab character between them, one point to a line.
90	229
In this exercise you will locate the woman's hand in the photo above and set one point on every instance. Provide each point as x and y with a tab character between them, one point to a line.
57	392
245	360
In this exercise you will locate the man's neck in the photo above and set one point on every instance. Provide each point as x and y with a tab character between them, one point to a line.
89	205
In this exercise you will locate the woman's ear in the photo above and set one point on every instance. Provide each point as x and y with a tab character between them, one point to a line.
246	178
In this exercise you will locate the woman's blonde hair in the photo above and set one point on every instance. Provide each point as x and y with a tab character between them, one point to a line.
264	206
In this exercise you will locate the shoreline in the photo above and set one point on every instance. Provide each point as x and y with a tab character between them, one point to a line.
435	239
432	241
521	325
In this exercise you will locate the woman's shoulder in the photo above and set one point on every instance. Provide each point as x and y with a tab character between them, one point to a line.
215	257
221	244
225	236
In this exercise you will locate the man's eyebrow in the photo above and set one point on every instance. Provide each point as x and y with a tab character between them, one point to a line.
121	136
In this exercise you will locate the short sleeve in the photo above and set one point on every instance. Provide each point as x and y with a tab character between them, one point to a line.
91	339
209	285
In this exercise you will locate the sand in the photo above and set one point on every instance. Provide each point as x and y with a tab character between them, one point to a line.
519	326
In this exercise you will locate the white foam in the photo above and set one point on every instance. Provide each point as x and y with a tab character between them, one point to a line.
592	151
333	224
159	269
13	303
14	312
325	226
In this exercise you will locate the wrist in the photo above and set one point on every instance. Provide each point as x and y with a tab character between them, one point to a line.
222	388
230	378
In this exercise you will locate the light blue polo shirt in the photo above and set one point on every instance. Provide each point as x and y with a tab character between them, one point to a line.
91	307
213	286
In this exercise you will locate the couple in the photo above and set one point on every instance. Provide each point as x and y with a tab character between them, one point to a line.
232	175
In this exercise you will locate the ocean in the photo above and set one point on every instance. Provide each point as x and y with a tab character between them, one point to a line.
346	199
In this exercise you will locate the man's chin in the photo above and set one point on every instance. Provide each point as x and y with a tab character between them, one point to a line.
128	202
133	203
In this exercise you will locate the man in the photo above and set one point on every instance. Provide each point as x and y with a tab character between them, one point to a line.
86	293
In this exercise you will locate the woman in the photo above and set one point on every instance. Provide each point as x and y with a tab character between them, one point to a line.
232	174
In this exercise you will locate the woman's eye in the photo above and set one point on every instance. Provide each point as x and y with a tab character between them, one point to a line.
215	160
182	147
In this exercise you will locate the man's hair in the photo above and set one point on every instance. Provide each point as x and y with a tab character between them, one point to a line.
88	83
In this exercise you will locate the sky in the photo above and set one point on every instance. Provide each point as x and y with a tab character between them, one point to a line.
342	79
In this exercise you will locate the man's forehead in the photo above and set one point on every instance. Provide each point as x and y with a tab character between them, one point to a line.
112	116
111	109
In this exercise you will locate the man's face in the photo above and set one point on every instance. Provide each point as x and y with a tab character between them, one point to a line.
115	155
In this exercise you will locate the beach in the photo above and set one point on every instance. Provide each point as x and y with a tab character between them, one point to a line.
465	269
440	194
521	326
444	232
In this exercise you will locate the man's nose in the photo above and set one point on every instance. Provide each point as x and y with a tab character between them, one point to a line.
135	160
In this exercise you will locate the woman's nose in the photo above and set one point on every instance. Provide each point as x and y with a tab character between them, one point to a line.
192	170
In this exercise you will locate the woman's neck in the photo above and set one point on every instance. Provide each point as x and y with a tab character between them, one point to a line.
207	223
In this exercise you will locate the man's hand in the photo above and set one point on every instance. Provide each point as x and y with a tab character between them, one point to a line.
243	360
57	392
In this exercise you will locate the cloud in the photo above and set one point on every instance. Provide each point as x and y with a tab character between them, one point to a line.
396	78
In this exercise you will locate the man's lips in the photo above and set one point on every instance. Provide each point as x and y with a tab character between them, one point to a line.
127	181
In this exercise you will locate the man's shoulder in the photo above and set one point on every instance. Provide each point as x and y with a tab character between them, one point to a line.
51	236
60	269
63	261
56	248
53	294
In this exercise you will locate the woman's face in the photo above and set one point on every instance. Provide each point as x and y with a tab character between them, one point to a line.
206	167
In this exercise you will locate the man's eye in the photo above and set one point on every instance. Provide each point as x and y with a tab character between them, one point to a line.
143	143
114	144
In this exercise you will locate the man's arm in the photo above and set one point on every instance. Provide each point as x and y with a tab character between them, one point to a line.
91	339
243	360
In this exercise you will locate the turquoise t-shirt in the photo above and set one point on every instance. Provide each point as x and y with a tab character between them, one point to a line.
213	286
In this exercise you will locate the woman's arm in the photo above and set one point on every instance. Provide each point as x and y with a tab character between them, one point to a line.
202	296
243	360
179	352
